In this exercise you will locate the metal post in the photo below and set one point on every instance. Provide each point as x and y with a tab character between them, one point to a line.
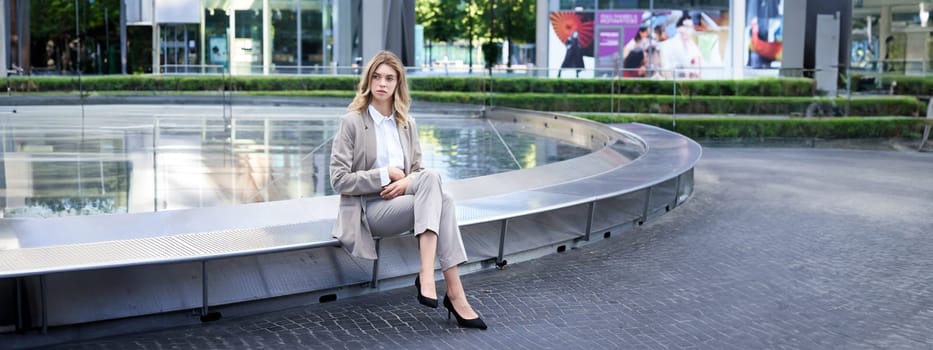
612	92
78	46
155	165
266	135
375	281
45	309
500	262
123	36
676	192
298	36
674	105
644	212
206	315
929	124
80	87
19	303
204	288
106	37
589	220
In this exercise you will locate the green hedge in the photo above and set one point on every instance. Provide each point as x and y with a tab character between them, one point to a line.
707	128
914	86
750	87
780	106
887	106
906	85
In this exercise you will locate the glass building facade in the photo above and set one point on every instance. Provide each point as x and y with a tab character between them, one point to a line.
254	37
318	36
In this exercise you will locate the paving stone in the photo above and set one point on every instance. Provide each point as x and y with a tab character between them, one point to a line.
777	249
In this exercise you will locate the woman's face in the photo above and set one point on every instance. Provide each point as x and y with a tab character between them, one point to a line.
383	83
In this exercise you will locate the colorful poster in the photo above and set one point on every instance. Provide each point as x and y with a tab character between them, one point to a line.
629	20
571	42
709	35
615	30
765	30
218	47
608	43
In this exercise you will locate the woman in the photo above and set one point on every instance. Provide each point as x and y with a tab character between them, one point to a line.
639	41
634	58
376	168
681	54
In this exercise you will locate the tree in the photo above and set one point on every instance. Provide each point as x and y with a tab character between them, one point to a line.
54	22
505	20
439	20
519	23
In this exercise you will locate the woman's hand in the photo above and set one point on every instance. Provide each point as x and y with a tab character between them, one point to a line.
395	174
395	189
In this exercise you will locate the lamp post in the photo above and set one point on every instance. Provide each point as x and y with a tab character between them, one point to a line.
470	36
78	45
123	36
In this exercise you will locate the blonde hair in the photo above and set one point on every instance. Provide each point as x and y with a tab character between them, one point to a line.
401	98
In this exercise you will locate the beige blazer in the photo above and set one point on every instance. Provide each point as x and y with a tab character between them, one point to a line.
351	175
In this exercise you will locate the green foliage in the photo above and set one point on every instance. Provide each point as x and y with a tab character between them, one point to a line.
749	87
53	22
782	106
519	20
711	128
903	84
436	15
491	53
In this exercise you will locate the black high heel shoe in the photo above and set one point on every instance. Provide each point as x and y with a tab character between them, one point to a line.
429	302
471	323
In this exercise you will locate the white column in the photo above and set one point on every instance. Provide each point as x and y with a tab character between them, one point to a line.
266	37
343	32
542	26
738	45
795	32
4	36
156	44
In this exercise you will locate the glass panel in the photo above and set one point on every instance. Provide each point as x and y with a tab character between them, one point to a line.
284	36
618	4
312	39
179	48
216	22
53	168
577	4
246	55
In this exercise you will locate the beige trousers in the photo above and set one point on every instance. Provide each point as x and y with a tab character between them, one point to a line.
424	206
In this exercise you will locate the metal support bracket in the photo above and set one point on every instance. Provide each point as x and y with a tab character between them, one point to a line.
591	208
676	193
926	136
644	212
19	303
926	128
206	315
45	309
375	281
500	262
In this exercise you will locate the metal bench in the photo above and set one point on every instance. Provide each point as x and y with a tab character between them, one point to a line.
635	172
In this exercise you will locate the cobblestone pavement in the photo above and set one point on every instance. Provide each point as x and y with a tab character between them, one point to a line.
778	249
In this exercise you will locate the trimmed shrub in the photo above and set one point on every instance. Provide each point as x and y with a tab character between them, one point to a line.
169	83
710	128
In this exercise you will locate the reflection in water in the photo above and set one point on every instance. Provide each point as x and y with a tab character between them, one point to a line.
136	165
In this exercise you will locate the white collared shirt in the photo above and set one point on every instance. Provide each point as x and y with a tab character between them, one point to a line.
388	145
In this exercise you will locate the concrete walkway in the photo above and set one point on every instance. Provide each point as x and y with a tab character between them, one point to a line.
778	249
